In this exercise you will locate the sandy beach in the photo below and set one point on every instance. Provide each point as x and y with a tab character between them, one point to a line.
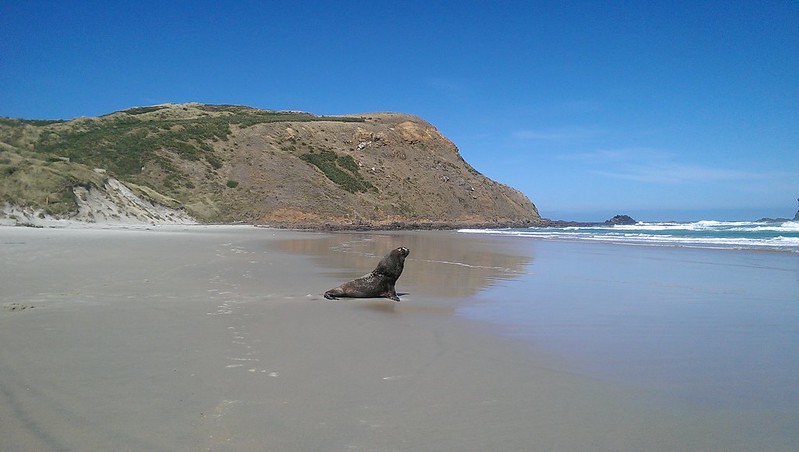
217	338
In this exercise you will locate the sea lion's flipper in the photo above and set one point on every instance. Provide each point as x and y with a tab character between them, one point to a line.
391	294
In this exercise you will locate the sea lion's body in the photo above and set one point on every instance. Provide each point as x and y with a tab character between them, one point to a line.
377	284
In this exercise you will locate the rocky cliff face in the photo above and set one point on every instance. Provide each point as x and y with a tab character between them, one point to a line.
237	164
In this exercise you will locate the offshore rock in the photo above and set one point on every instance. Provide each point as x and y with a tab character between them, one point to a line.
621	220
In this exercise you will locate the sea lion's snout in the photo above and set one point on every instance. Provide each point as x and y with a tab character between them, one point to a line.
404	251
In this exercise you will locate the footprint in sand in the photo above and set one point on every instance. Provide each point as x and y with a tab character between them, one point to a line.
17	307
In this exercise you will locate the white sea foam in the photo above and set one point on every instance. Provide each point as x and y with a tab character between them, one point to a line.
779	236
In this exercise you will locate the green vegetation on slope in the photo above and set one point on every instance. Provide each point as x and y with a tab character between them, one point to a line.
30	182
340	169
123	142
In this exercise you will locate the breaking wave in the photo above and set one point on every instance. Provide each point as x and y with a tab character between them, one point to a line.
759	235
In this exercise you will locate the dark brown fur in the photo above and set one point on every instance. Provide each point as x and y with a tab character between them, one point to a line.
379	283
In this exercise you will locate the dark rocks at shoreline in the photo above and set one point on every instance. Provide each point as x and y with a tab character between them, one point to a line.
408	226
427	226
616	220
778	219
772	220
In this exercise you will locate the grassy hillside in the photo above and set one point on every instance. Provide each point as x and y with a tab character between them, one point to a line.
42	183
123	142
233	163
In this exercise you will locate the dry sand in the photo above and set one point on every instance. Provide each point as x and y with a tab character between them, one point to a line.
217	338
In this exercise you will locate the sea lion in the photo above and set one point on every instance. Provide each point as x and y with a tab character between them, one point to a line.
379	283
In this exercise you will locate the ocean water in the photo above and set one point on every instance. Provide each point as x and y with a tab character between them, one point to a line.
758	235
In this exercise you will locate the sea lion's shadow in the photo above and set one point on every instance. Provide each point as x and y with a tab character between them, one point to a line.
381	304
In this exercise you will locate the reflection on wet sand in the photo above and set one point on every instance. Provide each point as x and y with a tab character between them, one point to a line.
441	263
382	306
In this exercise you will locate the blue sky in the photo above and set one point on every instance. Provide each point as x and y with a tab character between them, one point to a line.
660	110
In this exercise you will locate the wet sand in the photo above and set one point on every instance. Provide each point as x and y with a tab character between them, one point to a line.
217	338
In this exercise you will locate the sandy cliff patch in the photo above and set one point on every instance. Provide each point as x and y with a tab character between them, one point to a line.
114	203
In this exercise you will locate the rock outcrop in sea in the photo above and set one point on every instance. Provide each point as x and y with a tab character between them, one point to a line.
621	220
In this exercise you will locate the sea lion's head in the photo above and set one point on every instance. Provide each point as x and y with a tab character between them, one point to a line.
393	263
